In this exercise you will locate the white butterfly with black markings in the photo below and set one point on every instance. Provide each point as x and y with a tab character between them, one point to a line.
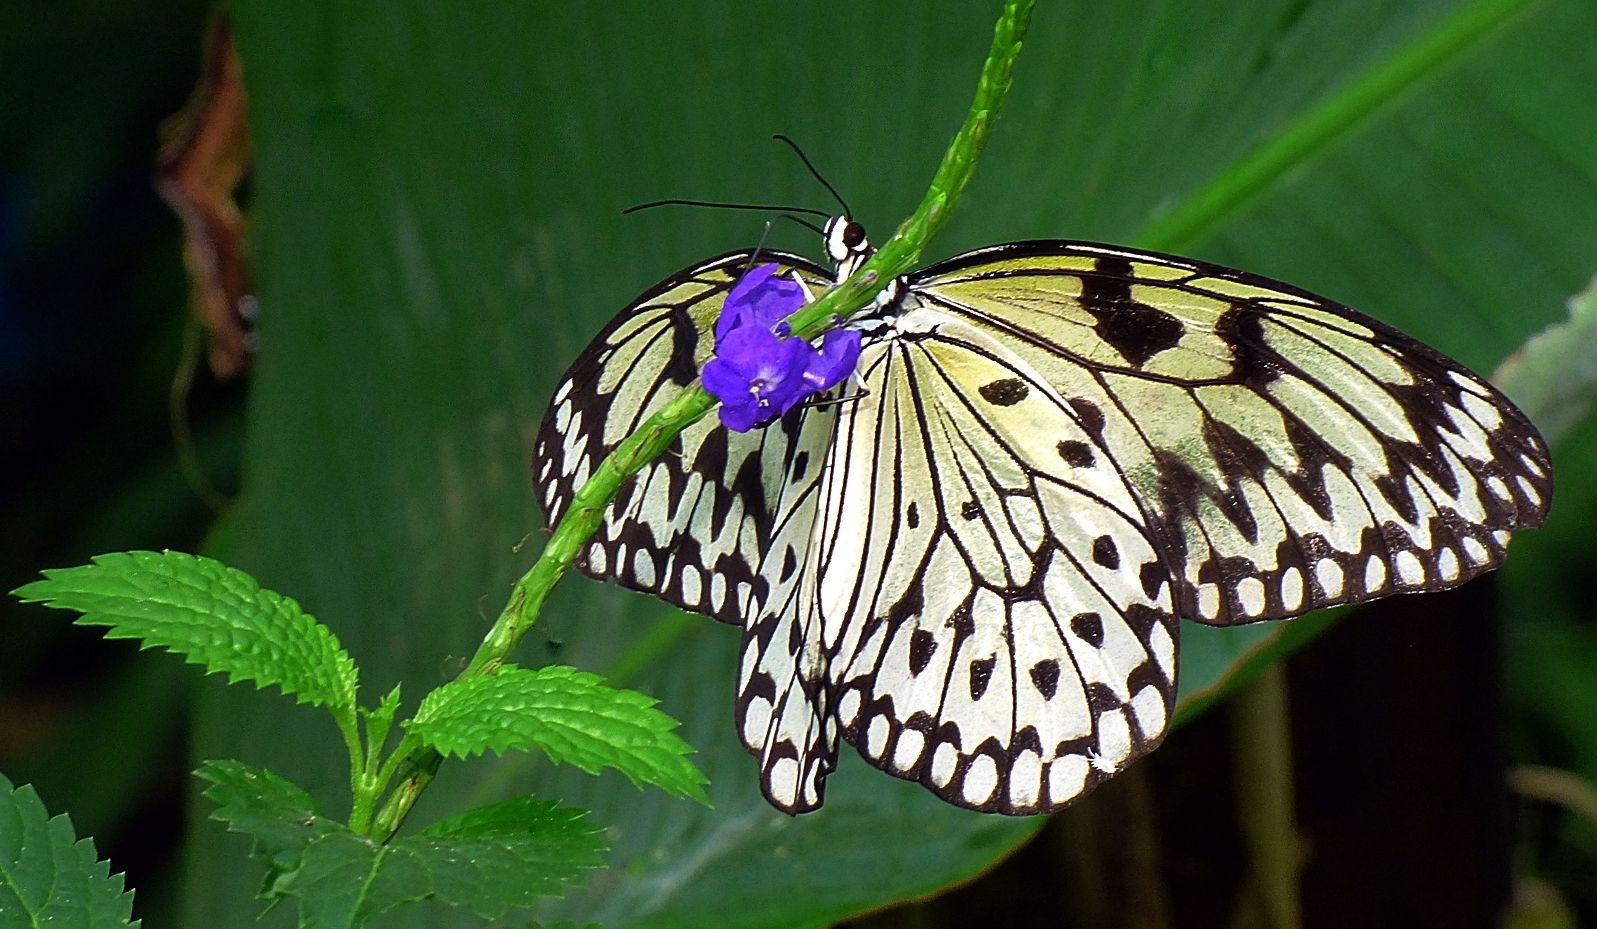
969	560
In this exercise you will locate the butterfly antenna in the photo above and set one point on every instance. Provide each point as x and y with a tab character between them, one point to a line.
805	223
763	208
783	212
805	158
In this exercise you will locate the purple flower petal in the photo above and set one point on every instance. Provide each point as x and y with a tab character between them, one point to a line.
835	361
723	380
789	387
753	351
738	417
750	282
737	310
759	298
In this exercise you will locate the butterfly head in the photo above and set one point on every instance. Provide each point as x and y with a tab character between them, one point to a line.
846	245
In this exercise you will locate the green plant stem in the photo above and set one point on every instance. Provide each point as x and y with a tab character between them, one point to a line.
1261	737
1200	215
369	782
346	719
897	256
899	253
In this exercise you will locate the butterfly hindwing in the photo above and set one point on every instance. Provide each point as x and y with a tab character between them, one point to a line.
998	619
1289	452
784	701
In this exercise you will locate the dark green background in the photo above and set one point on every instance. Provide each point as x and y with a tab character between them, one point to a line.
435	232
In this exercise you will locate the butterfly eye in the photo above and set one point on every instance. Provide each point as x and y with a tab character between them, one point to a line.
845	240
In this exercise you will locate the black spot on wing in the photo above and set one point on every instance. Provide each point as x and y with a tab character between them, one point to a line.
963	624
1045	677
913	515
684	344
1253	362
1393	485
1105	553
981	674
759	685
1102	698
749	486
1309	483
1424	405
1090	416
1153	576
624	495
1076	453
970	509
1006	391
1088	627
685	549
737	571
1142	618
910	604
922	645
1238	460
1136	330
1179	490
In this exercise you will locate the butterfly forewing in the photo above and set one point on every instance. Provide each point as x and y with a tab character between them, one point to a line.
720	524
691	527
997	617
1287	452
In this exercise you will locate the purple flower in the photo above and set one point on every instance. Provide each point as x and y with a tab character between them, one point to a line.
757	373
757	376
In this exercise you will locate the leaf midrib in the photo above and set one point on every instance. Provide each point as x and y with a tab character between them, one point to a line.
1203	212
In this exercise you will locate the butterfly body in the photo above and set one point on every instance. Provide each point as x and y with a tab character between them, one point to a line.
969	559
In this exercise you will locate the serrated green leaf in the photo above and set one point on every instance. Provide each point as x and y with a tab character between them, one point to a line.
48	876
209	613
336	877
282	819
491	859
344	880
571	715
508	854
1553	376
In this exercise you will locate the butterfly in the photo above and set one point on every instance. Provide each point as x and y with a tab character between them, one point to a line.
970	559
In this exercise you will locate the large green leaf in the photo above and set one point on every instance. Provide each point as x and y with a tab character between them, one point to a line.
570	715
49	876
436	233
210	614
